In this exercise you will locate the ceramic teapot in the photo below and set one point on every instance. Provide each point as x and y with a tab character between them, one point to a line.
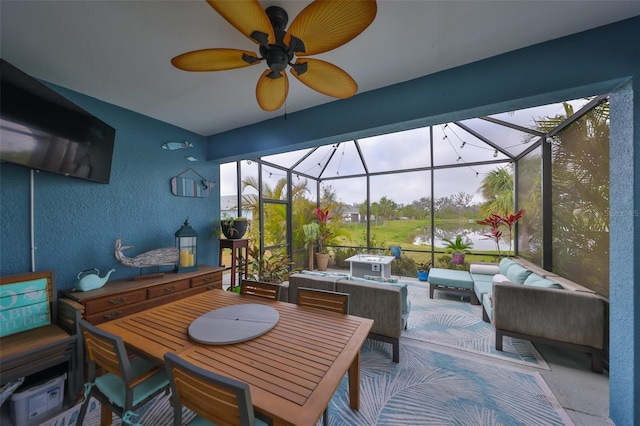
91	281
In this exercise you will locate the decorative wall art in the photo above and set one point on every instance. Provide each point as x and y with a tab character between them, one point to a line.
191	184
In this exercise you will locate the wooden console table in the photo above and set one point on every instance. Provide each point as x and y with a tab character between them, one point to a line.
125	297
236	247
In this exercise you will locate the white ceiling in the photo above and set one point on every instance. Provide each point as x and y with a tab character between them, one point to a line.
120	51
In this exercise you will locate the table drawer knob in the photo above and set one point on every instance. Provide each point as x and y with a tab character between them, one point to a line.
112	315
211	287
117	300
170	289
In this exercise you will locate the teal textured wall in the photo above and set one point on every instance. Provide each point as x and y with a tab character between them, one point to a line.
77	222
603	60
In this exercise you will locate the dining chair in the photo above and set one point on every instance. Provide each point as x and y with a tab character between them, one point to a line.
261	289
324	299
126	384
329	301
215	399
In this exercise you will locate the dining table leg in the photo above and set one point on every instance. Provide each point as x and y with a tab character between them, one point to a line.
354	383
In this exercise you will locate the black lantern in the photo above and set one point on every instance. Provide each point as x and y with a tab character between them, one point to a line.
186	241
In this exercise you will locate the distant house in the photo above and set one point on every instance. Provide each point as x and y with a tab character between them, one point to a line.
350	213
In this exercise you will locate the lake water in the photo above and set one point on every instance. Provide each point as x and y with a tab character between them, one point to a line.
475	236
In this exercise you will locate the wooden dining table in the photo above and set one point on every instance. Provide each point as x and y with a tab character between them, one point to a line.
293	370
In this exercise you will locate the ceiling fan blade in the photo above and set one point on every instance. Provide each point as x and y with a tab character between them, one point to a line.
248	17
325	78
214	60
325	25
272	92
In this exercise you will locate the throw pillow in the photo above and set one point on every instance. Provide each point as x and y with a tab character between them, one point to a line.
517	273
532	278
380	279
476	268
505	264
543	282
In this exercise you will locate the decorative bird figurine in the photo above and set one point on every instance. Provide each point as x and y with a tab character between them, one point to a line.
158	257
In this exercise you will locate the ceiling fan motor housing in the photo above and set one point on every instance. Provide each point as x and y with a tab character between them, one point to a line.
278	55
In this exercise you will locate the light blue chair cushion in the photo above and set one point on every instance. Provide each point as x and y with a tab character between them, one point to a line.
505	264
517	274
113	387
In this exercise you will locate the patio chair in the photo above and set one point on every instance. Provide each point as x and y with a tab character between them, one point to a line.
260	289
126	384
324	299
213	397
329	301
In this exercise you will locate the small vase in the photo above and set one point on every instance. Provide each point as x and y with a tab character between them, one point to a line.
457	258
423	275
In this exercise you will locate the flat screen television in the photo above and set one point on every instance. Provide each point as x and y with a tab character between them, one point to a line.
43	130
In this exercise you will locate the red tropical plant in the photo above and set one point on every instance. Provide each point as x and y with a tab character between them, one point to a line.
495	221
322	217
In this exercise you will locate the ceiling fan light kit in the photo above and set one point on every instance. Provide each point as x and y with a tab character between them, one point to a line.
320	27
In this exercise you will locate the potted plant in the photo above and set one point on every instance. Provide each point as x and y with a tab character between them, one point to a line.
311	234
423	270
234	228
458	249
322	220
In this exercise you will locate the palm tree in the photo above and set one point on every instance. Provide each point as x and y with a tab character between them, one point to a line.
497	189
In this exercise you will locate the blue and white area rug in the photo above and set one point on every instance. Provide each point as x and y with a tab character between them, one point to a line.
427	387
436	387
447	321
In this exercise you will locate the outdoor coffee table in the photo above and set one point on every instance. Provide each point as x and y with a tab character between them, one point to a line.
453	281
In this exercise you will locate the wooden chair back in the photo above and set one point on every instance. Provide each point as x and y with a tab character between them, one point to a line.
104	350
216	398
142	379
324	299
260	289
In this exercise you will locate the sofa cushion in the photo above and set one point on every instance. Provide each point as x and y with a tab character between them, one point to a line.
533	277
450	278
482	278
517	273
499	278
505	264
542	282
481	288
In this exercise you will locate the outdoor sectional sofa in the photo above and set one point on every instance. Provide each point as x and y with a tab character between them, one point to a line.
387	304
527	302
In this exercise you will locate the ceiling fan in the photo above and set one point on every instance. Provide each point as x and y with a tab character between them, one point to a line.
322	26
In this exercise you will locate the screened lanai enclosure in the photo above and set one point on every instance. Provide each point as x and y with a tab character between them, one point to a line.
420	188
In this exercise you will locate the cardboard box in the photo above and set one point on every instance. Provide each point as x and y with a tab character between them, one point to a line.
36	403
